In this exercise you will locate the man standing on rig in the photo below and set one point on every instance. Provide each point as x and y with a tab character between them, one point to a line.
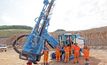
72	47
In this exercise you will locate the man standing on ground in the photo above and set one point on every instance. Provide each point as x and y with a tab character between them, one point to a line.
58	49
86	53
66	49
76	53
46	53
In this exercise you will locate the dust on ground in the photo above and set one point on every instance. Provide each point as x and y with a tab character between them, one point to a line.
97	57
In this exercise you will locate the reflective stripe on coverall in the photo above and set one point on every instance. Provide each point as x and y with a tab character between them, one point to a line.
76	53
46	52
66	49
58	53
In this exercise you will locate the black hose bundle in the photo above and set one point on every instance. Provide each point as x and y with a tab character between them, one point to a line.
14	43
25	54
14	47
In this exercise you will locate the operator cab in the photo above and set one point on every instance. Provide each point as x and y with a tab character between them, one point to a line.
64	39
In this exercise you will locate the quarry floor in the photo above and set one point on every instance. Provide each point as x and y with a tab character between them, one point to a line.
97	57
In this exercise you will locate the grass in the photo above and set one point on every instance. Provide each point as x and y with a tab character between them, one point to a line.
10	32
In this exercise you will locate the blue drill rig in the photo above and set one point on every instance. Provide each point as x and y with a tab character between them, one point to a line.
33	48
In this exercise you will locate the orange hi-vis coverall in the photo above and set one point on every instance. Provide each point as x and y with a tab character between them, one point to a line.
66	49
76	53
58	53
72	47
46	52
86	52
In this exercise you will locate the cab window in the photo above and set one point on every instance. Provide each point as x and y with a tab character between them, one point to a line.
61	41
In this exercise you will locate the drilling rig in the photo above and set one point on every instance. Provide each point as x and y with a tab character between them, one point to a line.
33	48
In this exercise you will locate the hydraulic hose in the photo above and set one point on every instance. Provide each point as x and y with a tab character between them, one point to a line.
14	47
14	43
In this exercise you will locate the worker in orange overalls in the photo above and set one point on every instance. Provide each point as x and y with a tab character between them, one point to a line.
58	49
86	53
66	49
72	47
76	53
46	53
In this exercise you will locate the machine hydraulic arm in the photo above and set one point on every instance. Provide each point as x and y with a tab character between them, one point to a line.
34	44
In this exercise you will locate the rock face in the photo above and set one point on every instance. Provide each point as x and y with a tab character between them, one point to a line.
94	37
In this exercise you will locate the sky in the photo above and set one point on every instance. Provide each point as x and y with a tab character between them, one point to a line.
70	15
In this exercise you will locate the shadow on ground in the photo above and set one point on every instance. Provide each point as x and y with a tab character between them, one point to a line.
92	61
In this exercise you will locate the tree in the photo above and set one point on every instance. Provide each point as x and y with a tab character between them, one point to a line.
15	27
60	30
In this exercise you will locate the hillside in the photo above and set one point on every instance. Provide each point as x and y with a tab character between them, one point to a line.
94	37
15	27
10	32
7	31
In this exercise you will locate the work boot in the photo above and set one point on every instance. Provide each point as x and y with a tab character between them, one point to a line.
86	63
59	59
44	63
47	64
65	61
73	62
77	62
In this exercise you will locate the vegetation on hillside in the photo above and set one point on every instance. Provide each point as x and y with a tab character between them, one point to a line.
15	27
60	30
7	31
10	32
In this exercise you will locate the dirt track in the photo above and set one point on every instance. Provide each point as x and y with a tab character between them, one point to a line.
97	57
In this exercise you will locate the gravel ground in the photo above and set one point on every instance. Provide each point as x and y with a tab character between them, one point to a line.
97	57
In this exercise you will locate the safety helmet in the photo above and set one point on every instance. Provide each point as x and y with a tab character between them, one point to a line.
75	43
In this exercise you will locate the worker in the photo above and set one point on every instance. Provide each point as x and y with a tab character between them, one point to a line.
76	53
86	53
58	49
46	53
72	47
66	49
